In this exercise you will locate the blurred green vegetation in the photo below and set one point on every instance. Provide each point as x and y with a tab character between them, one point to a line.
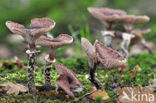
64	12
69	12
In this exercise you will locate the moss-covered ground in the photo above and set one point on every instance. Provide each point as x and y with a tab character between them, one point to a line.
79	65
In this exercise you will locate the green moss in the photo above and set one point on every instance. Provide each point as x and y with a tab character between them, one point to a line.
80	66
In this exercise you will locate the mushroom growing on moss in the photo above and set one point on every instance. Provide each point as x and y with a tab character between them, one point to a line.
109	16
38	27
68	80
53	44
102	57
129	21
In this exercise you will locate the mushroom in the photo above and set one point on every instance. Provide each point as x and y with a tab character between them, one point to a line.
125	43
68	80
102	57
53	44
139	38
38	27
110	16
129	21
139	35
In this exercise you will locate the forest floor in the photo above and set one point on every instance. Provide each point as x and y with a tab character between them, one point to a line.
127	78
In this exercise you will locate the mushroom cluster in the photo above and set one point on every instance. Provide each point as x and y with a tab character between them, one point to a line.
109	17
112	16
38	27
34	35
53	44
99	55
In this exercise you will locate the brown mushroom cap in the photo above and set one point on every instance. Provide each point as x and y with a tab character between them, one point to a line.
138	35
132	19
61	40
62	82
37	28
90	51
41	26
140	31
108	57
107	14
67	80
16	28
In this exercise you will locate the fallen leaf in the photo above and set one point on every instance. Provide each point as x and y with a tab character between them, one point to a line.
133	74
122	68
15	89
137	68
18	62
136	95
99	93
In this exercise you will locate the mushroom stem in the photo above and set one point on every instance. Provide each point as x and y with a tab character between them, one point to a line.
125	43
49	60
128	27
143	42
93	78
108	38
31	58
108	25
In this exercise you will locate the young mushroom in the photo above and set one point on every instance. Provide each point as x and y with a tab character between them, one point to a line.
53	44
68	80
38	27
102	57
129	21
109	16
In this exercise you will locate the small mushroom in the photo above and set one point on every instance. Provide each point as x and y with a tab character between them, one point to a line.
138	35
103	57
129	21
139	38
37	28
53	44
110	16
68	80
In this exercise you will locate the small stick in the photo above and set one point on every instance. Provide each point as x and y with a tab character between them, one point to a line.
84	96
